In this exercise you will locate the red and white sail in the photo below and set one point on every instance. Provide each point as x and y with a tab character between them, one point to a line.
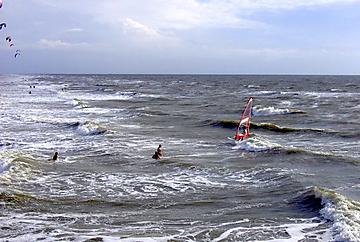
243	130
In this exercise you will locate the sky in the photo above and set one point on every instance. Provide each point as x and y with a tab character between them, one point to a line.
181	36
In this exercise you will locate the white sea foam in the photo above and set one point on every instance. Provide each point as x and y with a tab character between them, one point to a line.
96	97
96	110
16	166
268	111
127	81
295	231
336	90
343	213
113	186
286	103
90	128
151	95
49	227
331	94
5	165
255	144
253	86
61	225
79	103
140	239
265	93
131	126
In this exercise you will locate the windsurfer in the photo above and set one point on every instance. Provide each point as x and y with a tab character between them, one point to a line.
243	131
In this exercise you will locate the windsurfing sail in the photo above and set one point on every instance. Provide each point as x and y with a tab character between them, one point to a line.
243	130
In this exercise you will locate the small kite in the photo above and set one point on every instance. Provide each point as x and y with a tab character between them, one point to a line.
8	39
16	54
1	2
3	25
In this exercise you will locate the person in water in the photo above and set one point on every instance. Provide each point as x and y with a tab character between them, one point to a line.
56	156
158	153
156	156
159	150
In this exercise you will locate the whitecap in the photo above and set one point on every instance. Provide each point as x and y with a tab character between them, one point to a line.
255	144
90	128
344	214
268	111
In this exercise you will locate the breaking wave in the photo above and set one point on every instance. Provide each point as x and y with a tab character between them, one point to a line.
266	126
341	213
16	167
88	128
79	103
268	111
5	166
277	128
255	144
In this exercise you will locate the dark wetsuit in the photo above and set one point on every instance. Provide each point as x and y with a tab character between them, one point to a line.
55	157
156	156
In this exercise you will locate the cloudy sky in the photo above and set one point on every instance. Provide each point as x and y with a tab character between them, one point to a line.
181	36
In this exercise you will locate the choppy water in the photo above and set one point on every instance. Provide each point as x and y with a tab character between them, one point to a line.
296	180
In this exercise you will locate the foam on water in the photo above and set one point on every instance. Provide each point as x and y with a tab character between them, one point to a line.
97	97
127	81
258	177
16	167
5	165
255	144
331	94
117	186
253	86
199	174
90	128
268	111
53	226
79	103
343	213
264	93
280	233
64	226
114	186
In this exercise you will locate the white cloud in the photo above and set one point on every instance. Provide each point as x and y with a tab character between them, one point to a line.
75	30
139	35
133	27
174	14
184	14
283	4
59	44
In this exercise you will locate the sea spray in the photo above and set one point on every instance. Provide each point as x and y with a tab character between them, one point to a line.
343	213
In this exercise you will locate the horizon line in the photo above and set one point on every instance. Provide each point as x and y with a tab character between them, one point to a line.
189	74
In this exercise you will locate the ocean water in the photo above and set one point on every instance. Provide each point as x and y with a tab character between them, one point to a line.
296	179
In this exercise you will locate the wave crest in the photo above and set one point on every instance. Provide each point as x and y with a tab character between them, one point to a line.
269	111
267	126
342	212
89	128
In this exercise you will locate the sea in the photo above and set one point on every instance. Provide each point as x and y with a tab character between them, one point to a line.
297	178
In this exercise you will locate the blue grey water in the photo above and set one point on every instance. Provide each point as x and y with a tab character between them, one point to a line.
296	179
